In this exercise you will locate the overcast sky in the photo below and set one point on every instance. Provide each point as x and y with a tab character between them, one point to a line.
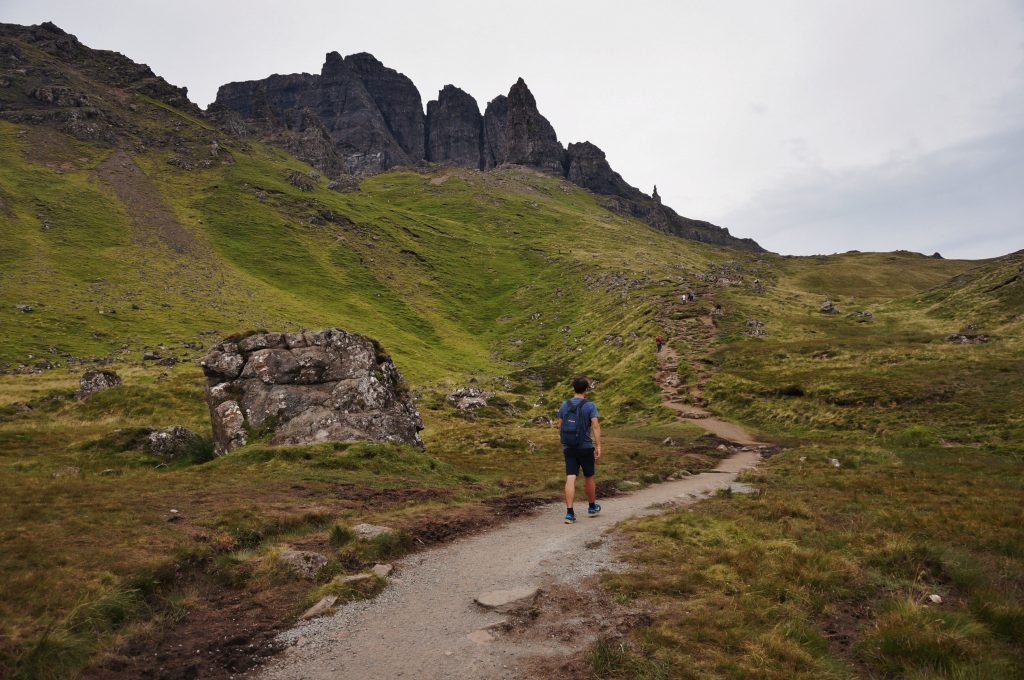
814	127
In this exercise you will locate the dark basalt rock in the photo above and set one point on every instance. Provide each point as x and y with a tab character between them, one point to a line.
529	137
304	388
454	129
397	99
372	114
495	149
587	167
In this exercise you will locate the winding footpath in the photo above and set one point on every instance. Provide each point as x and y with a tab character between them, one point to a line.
426	624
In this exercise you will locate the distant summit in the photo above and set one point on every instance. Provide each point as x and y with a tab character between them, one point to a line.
359	117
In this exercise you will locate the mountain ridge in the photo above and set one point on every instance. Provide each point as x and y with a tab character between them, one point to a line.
375	117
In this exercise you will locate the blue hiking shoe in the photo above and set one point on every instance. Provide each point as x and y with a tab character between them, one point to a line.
570	518
593	509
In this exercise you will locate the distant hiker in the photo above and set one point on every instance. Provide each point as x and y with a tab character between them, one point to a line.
577	419
691	296
682	299
718	309
659	342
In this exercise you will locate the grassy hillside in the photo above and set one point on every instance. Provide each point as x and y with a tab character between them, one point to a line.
138	233
902	479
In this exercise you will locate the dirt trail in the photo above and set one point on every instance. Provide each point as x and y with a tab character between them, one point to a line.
426	623
687	399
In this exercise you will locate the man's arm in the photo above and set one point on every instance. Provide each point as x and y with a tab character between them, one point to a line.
595	427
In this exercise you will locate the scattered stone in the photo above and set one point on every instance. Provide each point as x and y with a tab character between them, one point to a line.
969	339
668	441
541	420
150	356
505	600
828	307
306	388
320	607
755	328
344	185
935	599
23	308
67	471
172	442
469	398
357	578
92	382
301	181
629	485
382	570
481	636
303	563
614	340
167	361
368	531
834	462
861	315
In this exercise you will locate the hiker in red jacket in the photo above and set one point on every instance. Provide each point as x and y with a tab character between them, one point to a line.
659	342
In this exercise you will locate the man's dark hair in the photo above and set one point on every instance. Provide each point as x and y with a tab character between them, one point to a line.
581	384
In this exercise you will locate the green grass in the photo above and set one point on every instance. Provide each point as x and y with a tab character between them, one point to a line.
826	572
822	573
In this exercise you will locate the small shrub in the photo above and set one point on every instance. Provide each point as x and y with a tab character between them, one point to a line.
916	436
340	535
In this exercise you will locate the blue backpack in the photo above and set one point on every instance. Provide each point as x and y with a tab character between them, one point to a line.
574	425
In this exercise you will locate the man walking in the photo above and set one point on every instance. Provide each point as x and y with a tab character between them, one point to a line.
580	433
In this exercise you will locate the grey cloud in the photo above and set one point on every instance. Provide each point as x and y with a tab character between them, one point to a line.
963	201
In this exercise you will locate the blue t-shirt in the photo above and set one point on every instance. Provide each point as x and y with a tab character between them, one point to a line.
588	411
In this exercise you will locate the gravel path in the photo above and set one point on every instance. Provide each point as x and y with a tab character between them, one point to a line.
426	624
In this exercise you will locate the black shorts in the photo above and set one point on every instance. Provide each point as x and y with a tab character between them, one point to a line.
579	458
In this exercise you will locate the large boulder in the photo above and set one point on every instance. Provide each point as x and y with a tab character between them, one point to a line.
172	442
304	388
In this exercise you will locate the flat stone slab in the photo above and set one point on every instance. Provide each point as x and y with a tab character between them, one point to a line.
503	600
320	607
382	570
367	531
356	578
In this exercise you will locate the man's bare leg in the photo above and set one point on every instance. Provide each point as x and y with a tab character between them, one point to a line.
570	490
590	486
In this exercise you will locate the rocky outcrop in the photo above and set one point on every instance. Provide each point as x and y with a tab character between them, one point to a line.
495	149
397	99
373	118
529	137
454	129
304	388
587	167
92	382
516	132
373	114
173	442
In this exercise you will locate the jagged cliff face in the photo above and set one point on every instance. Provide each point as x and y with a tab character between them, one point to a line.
374	117
454	129
529	137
